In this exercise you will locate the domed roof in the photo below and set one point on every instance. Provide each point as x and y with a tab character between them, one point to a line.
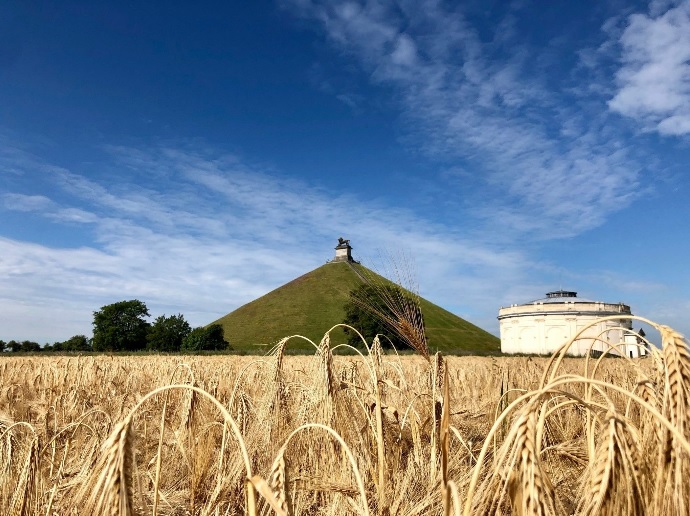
561	296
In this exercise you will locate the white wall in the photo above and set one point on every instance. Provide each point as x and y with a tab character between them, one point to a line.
542	328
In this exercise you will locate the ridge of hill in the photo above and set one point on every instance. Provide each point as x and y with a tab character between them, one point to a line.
313	303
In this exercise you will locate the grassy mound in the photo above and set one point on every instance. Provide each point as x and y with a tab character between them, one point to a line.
313	303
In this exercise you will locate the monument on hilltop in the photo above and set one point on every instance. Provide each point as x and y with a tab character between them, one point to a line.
343	251
314	303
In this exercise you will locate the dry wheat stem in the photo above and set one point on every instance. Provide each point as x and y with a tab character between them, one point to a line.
346	449
532	396
557	357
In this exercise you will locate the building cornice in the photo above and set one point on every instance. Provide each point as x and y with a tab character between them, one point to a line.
595	313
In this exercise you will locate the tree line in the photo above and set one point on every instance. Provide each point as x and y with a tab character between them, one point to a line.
122	326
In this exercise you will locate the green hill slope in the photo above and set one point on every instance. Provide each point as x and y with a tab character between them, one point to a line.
313	303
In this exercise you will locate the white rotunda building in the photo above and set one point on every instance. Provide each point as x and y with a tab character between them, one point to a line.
543	326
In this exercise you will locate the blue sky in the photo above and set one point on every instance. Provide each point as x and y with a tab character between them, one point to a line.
197	155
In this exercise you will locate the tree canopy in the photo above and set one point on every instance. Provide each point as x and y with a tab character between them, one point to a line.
23	346
75	343
369	310
120	326
167	333
210	338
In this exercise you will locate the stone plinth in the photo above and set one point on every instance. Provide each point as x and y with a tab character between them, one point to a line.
343	251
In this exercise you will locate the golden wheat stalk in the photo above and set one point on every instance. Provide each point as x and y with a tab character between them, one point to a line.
110	492
531	490
346	451
445	444
401	311
24	491
613	483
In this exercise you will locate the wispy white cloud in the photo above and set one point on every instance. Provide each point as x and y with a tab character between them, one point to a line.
21	202
43	205
548	169
215	233
654	77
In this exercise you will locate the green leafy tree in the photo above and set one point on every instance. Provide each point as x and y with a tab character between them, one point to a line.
210	338
120	326
76	343
29	345
14	346
167	333
371	309
2	346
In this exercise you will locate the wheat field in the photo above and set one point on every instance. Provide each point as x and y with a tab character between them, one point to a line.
366	434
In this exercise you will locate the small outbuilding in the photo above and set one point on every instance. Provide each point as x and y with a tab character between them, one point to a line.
544	325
